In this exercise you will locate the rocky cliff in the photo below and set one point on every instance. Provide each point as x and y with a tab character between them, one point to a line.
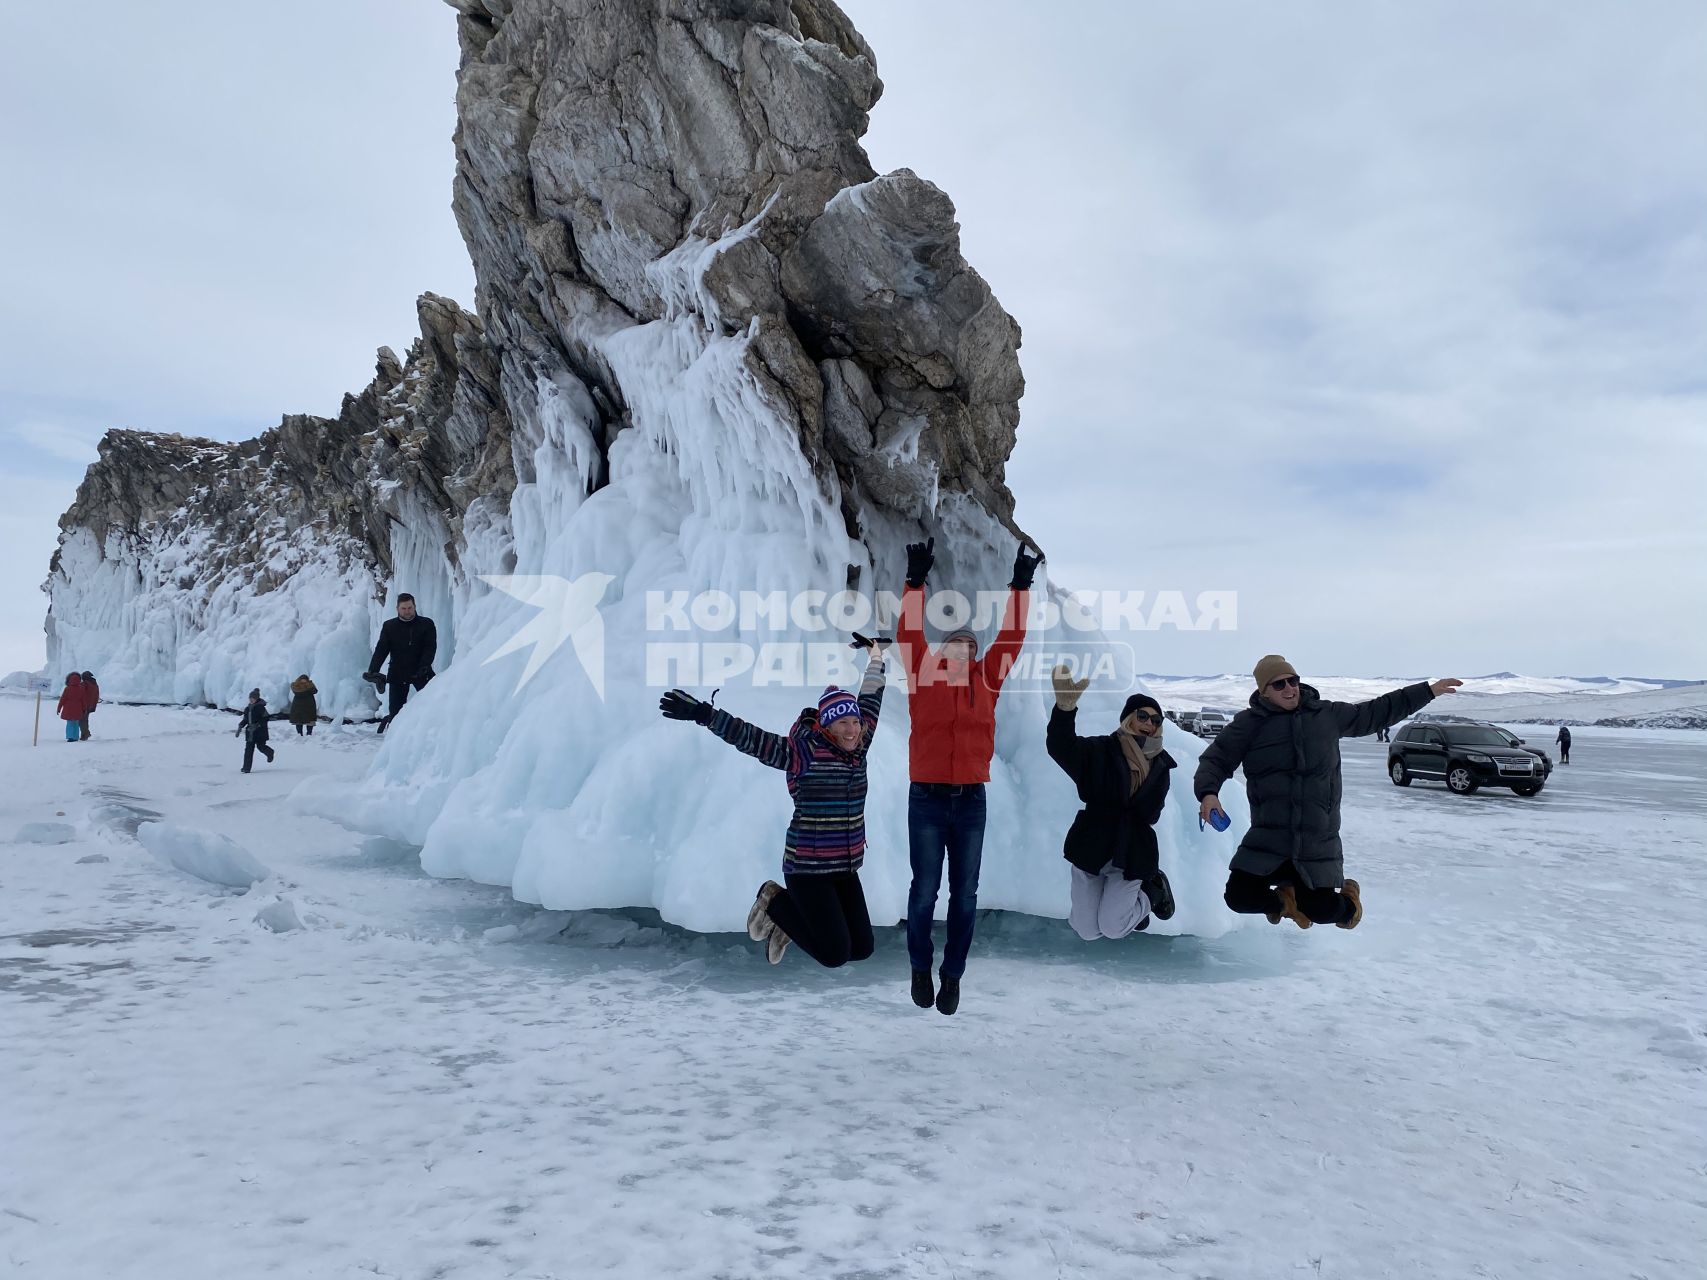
618	163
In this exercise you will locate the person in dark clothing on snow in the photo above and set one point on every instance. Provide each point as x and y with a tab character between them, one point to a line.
1564	741
820	905
253	727
411	642
1290	863
1384	733
1123	782
951	696
91	700
73	706
304	711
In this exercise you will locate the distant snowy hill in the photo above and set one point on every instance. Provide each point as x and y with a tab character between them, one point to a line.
1624	701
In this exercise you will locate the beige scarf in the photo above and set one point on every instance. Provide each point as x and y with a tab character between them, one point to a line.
1139	752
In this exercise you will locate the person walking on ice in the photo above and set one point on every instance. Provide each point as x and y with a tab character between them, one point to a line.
253	728
1122	780
951	696
1564	741
73	706
820	906
1291	865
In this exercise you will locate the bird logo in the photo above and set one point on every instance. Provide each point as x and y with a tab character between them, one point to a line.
568	612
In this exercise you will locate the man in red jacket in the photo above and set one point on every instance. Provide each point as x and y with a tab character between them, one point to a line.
951	695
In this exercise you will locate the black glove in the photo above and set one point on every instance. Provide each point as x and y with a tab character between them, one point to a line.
808	718
677	705
1025	569
376	679
920	557
877	646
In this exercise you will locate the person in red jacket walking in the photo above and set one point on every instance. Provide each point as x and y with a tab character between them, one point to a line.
951	694
73	706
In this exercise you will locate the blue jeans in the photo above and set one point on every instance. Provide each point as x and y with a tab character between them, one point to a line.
938	825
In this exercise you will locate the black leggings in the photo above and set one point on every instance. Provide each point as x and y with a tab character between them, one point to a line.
1255	896
825	916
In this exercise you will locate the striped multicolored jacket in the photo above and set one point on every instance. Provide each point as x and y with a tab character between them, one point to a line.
828	784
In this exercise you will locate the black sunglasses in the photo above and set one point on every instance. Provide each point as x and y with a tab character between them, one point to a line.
1147	717
1285	682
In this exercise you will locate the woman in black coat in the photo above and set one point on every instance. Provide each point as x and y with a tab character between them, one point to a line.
1122	778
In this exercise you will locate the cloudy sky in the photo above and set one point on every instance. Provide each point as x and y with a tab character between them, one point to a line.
1391	318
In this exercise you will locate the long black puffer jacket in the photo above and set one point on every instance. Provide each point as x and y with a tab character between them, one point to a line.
1292	776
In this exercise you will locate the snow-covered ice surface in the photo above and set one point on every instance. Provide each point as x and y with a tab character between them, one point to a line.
1500	1074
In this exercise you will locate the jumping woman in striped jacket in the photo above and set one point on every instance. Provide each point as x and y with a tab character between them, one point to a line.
822	908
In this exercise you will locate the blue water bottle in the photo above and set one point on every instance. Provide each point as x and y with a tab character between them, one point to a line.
1217	819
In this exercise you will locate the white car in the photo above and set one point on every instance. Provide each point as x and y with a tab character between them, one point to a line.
1210	723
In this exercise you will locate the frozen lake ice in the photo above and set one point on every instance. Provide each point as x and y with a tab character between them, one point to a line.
1500	1073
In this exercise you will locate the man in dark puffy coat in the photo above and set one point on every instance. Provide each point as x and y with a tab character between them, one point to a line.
1290	863
1122	780
411	642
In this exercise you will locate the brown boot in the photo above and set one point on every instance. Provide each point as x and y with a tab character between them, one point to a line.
1289	907
1353	892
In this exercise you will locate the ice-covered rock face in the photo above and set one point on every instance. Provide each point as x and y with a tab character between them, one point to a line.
715	353
192	570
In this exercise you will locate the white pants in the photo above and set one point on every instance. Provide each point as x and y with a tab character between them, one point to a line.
1107	905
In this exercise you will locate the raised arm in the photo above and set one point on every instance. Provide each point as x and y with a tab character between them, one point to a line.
770	749
910	632
871	694
999	661
1357	719
1005	651
1062	740
910	626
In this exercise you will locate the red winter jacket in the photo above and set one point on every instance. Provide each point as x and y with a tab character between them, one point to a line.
954	711
72	704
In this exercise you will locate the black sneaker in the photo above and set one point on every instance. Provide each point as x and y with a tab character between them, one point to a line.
924	995
1161	895
948	997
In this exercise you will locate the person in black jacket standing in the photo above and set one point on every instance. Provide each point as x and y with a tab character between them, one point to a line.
1122	779
1291	863
1563	740
411	642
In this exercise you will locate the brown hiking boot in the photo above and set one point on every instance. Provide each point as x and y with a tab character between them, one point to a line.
1289	908
758	919
777	944
1355	893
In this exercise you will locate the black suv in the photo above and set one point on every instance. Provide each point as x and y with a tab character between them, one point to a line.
1465	755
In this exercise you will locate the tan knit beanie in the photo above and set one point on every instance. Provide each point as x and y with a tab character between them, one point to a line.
1272	667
